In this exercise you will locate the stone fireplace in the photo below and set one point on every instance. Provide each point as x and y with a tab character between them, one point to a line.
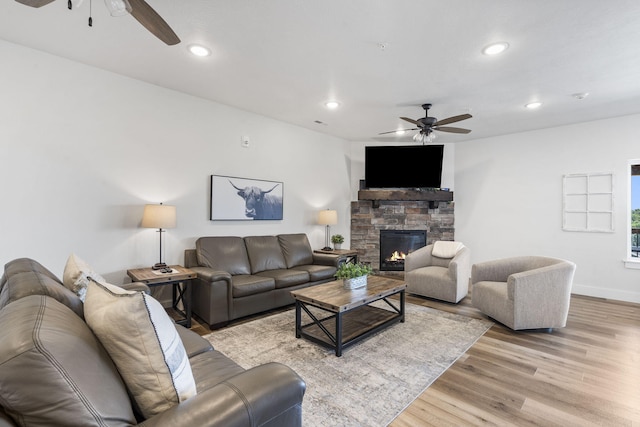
434	214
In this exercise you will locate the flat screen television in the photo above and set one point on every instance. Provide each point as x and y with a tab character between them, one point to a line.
404	166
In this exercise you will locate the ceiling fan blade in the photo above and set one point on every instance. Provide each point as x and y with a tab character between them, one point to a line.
415	122
451	129
35	3
453	119
153	22
398	130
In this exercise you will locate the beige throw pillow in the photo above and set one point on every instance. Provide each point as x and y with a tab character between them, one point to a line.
143	343
76	276
446	249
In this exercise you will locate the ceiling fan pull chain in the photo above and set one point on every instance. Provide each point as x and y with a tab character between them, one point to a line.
69	5
90	18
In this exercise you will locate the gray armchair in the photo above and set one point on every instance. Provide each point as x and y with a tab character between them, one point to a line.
433	274
527	292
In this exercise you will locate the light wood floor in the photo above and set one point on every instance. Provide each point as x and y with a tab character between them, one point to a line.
587	374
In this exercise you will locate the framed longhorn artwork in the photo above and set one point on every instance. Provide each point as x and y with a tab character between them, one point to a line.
245	199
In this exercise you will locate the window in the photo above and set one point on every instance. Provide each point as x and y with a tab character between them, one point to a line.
633	250
588	202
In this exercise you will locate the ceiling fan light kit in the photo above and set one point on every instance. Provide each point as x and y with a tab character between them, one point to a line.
118	7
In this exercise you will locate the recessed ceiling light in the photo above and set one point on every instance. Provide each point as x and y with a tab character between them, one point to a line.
198	50
332	105
533	105
495	48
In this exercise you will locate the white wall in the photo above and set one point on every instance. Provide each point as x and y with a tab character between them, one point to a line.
83	150
509	199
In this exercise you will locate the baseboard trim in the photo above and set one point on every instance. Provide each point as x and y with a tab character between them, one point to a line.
613	294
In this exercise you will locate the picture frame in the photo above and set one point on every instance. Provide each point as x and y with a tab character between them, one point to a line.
245	199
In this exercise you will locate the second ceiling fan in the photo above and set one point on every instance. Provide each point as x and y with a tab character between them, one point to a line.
426	125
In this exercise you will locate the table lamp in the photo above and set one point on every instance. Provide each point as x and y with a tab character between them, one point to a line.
327	217
160	217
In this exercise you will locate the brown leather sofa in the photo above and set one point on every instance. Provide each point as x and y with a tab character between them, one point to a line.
240	276
54	371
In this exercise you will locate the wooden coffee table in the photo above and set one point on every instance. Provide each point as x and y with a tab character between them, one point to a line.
351	317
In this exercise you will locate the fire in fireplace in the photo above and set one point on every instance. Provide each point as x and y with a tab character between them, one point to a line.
395	245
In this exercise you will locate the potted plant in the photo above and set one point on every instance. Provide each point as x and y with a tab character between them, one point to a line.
354	275
337	240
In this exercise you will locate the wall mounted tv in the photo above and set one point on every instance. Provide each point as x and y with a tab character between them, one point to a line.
404	166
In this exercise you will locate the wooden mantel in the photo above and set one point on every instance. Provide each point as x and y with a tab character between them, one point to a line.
431	196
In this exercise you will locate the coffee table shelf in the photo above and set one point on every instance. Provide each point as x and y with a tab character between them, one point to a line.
348	315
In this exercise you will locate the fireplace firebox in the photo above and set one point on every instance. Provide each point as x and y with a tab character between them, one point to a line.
395	245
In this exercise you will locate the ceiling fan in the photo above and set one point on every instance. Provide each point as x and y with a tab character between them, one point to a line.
140	10
426	125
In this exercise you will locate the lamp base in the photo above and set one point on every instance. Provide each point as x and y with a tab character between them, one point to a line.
159	266
327	248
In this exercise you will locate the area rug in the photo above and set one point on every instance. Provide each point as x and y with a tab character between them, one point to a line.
374	380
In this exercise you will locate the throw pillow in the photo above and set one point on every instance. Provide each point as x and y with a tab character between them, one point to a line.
442	249
143	343
76	276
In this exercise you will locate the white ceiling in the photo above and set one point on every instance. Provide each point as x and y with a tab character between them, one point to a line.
284	58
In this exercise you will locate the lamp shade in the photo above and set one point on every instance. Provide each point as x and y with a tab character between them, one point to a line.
159	216
328	217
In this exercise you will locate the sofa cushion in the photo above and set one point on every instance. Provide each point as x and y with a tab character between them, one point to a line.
223	253
296	249
144	344
264	253
23	284
286	278
54	371
76	276
212	368
318	272
246	284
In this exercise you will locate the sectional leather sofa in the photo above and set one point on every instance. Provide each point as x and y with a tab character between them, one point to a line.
240	276
54	370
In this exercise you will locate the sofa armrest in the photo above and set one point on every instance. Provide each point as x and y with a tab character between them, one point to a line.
210	275
265	394
326	259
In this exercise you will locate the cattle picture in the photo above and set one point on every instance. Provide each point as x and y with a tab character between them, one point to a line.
245	199
259	203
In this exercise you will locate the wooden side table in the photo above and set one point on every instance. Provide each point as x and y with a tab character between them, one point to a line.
180	278
348	254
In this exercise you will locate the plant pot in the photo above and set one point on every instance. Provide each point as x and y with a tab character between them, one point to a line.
355	283
337	246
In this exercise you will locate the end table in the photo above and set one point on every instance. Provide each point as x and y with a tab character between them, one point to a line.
347	254
180	277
